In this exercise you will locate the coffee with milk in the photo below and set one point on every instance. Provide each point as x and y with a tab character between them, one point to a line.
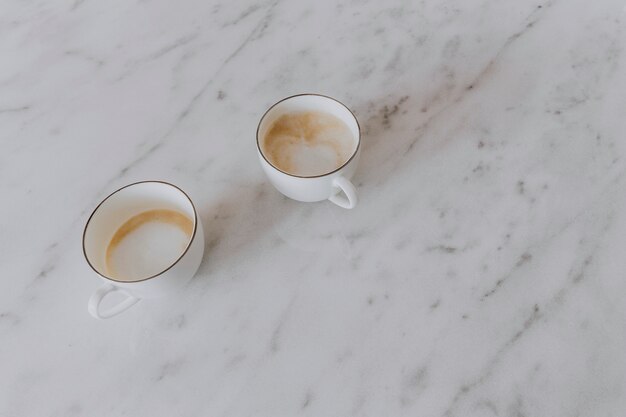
308	143
147	244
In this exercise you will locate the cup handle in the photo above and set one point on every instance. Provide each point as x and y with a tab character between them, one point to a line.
96	298
349	199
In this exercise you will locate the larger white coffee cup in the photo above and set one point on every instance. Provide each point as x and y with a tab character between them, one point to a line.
333	185
152	257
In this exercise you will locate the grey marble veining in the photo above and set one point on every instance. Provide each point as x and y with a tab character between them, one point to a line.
482	273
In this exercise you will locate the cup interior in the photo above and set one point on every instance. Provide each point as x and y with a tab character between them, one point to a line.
307	102
123	204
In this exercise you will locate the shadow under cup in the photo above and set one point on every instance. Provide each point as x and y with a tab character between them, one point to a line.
111	214
316	187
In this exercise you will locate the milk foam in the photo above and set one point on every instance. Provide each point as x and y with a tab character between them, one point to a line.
147	244
308	143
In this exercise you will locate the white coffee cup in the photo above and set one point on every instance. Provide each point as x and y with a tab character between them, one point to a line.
319	187
114	211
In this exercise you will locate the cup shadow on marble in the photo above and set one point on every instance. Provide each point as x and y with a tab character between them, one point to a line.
388	134
257	216
233	224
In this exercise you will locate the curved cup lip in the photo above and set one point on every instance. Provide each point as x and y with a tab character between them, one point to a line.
356	150
193	235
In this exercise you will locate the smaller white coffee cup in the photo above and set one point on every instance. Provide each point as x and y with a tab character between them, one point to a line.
114	211
319	187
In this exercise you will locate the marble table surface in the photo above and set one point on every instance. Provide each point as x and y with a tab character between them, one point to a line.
482	274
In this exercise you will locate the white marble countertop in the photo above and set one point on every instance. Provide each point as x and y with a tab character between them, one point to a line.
482	274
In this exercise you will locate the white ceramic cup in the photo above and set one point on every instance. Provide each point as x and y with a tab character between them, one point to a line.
114	211
320	187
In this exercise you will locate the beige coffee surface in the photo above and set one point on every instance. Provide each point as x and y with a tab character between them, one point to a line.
147	243
308	143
